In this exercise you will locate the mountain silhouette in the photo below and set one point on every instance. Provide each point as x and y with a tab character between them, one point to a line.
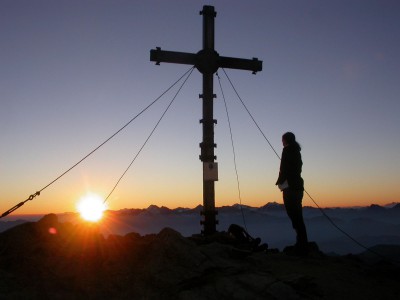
50	259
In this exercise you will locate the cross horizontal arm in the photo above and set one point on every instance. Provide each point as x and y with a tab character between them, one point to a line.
254	64
159	56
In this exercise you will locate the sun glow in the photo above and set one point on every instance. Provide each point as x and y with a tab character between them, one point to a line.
91	207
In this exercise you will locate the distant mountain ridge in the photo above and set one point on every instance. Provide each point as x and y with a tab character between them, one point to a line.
269	207
372	225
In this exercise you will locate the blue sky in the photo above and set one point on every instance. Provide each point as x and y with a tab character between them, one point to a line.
73	72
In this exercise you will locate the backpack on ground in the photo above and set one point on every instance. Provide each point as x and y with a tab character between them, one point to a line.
245	240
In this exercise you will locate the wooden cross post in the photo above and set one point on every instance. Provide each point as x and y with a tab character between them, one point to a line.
207	61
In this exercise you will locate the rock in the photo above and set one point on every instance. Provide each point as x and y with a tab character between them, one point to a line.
312	250
76	262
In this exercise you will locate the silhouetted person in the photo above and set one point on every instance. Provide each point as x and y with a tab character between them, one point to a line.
292	186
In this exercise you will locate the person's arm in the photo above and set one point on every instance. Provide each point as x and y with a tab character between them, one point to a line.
283	169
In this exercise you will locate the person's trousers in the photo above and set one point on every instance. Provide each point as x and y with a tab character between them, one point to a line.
293	204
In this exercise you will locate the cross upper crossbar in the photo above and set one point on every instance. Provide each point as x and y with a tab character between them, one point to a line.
199	60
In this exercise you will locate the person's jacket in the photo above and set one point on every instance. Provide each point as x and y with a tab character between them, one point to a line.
290	168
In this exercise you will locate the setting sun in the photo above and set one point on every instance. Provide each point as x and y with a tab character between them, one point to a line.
91	207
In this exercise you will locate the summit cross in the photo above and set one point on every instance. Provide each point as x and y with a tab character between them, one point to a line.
207	61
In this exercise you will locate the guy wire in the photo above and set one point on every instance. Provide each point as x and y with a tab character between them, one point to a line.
31	197
151	133
233	151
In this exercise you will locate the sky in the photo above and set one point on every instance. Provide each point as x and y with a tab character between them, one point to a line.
74	72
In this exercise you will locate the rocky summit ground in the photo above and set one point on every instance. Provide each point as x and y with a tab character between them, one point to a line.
52	260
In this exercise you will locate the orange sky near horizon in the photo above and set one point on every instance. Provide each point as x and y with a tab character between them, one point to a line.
52	202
